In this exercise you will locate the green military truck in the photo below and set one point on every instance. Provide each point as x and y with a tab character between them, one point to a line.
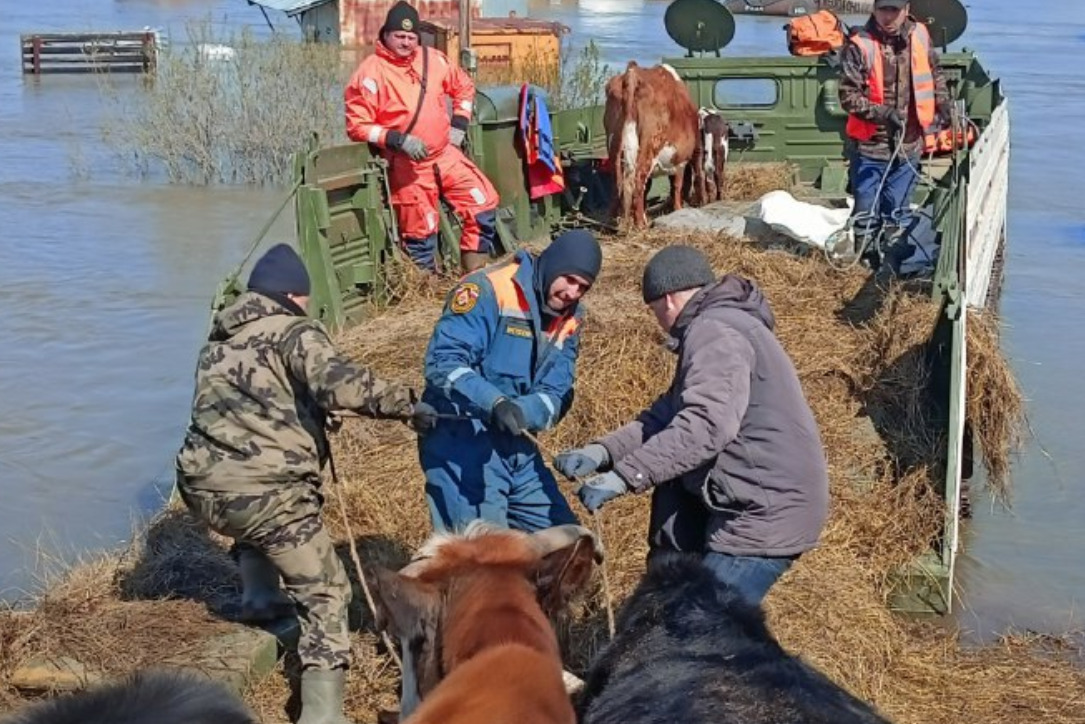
790	111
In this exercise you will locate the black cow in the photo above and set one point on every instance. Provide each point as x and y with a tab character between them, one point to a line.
690	650
147	697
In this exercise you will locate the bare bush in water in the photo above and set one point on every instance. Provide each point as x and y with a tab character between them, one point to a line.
234	109
230	110
581	79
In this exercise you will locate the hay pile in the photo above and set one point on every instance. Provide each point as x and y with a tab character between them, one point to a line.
862	367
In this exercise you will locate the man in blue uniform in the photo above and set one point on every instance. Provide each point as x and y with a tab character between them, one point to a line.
502	360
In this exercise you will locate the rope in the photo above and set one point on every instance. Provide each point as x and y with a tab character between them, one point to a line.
597	527
263	232
338	486
868	216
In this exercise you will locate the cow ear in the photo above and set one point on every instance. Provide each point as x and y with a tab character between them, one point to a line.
405	606
564	573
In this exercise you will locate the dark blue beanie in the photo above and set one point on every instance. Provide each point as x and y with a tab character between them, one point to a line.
279	271
572	252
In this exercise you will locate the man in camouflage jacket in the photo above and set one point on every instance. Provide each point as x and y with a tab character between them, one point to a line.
251	460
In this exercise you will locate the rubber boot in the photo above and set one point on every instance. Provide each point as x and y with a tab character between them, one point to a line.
472	260
322	696
262	600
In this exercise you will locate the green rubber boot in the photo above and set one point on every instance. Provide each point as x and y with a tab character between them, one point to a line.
322	696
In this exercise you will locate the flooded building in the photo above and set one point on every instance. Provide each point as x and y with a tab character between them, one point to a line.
506	42
355	23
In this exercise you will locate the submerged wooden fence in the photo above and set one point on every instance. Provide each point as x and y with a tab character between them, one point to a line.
121	52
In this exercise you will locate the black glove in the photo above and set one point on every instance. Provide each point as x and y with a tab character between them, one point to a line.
508	417
423	417
894	124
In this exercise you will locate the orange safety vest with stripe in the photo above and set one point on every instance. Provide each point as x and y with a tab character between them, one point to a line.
919	44
513	303
490	343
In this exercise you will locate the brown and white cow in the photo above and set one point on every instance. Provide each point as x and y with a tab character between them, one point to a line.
714	149
471	613
652	129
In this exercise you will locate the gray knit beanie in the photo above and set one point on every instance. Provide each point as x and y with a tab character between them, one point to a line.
673	269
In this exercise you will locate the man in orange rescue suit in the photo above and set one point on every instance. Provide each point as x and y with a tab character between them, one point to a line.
396	101
894	92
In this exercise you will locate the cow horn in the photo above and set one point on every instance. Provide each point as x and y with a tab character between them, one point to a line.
415	567
553	539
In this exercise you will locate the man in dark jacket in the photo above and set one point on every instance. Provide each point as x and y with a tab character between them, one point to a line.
251	459
895	92
731	451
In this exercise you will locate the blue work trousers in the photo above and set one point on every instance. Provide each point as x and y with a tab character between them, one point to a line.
473	473
423	252
893	207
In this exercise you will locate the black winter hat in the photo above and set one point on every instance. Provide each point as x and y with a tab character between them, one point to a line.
572	252
279	271
403	17
674	269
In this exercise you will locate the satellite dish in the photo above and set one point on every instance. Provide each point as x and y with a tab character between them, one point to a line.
946	19
699	26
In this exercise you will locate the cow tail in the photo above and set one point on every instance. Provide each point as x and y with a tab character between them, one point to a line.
629	114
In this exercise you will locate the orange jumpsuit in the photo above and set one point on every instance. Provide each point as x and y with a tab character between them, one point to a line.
381	99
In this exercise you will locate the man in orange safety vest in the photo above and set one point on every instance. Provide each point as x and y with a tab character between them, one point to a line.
894	92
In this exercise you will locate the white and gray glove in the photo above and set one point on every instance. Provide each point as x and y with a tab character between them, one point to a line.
455	136
582	461
596	491
414	148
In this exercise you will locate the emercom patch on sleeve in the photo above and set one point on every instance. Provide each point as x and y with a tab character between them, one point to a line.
464	298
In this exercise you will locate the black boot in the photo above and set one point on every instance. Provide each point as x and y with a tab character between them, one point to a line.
262	600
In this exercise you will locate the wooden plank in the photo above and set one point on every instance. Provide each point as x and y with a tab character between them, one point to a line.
89	60
56	70
85	37
123	51
958	413
101	50
987	198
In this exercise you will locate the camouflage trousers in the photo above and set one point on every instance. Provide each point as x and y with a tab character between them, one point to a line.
285	525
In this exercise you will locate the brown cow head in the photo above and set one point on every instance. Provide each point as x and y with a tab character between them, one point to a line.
413	604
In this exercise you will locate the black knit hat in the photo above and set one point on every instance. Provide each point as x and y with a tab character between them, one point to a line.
673	269
572	252
279	271
403	17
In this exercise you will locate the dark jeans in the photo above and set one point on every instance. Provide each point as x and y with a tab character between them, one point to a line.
679	522
893	207
750	576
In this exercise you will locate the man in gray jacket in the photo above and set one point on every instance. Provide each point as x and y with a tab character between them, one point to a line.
731	450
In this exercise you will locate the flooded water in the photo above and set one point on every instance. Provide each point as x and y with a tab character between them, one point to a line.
105	282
